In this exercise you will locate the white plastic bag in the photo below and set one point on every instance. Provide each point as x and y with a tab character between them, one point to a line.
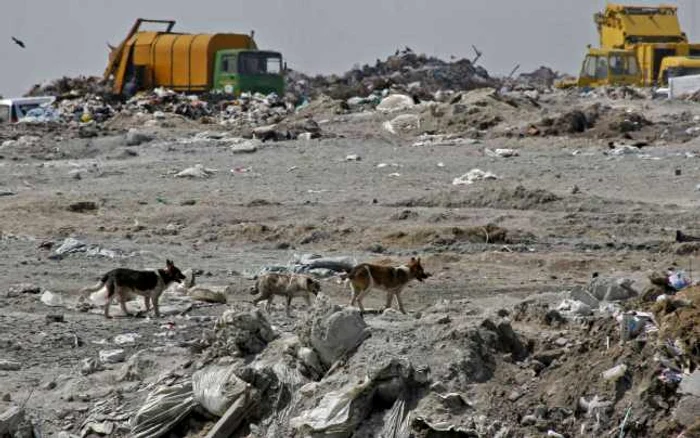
217	388
163	409
333	413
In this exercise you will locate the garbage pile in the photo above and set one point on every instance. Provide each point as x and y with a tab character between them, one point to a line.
415	74
83	105
73	87
543	77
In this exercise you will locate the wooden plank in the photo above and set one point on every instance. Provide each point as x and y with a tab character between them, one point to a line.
234	416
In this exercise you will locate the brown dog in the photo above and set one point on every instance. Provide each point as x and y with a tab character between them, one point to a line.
126	282
286	285
364	277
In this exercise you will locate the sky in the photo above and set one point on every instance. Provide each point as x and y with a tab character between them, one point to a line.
69	37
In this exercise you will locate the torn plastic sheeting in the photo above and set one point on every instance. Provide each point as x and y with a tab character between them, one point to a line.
72	246
420	423
217	388
163	409
396	421
333	415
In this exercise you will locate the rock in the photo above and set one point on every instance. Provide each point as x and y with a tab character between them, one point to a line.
10	420
112	356
89	130
55	317
472	176
548	356
246	147
506	338
136	138
9	365
89	366
126	338
615	373
336	332
691	384
582	295
135	368
575	308
82	207
51	299
402	122
353	157
501	153
611	289
7	397
48	386
207	295
197	171
242	333
687	411
528	420
396	102
23	288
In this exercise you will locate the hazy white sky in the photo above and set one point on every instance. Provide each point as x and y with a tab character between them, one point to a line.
68	37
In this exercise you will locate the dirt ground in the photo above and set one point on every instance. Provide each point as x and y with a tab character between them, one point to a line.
570	208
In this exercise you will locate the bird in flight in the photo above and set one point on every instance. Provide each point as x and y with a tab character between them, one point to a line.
18	42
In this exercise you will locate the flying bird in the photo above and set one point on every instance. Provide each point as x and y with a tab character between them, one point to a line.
18	42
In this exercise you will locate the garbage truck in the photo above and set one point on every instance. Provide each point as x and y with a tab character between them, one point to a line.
195	63
634	41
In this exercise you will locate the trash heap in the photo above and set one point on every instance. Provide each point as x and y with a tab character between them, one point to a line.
73	87
543	77
416	74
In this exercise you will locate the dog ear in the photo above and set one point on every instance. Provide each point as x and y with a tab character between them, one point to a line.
169	263
413	259
418	260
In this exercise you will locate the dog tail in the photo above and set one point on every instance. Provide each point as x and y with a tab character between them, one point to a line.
90	289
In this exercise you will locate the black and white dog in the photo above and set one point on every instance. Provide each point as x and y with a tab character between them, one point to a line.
127	282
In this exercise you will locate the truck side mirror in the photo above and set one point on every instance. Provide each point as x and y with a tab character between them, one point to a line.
284	68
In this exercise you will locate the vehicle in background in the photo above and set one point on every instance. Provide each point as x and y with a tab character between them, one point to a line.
194	63
649	34
15	109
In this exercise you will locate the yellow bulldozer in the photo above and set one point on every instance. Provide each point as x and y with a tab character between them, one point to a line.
639	45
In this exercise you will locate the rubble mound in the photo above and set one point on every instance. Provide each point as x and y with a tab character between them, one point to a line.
416	74
73	87
598	121
543	77
517	198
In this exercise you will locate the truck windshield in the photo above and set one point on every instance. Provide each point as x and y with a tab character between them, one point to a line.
623	65
259	63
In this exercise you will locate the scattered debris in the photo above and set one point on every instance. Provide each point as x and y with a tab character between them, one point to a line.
197	171
473	176
112	356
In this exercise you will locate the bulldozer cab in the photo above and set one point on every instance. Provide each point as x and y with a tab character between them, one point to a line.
238	71
605	67
676	66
